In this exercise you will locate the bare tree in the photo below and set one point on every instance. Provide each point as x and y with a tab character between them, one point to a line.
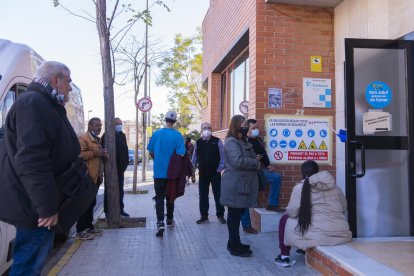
131	58
110	39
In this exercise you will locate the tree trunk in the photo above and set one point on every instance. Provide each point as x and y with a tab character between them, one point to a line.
111	176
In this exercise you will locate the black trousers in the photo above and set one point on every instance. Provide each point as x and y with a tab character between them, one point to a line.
160	186
233	224
85	221
121	194
203	191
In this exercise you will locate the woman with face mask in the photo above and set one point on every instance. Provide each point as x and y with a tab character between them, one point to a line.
239	182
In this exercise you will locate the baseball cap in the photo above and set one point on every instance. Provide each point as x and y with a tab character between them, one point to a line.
172	115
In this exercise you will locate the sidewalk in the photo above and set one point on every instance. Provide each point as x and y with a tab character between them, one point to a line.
186	249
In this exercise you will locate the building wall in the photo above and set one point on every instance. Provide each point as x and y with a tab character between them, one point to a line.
372	19
282	38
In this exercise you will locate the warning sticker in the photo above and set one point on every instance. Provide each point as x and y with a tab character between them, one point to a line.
313	146
323	146
302	145
302	138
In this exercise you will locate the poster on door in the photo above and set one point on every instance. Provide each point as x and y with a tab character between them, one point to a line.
295	139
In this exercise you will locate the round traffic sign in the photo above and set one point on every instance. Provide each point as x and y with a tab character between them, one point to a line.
244	107
144	104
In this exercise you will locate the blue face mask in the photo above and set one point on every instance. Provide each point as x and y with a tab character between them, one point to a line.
255	132
118	128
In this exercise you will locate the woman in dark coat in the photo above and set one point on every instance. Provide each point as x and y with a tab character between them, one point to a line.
239	182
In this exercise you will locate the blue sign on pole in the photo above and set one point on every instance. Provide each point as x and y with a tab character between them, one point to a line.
378	94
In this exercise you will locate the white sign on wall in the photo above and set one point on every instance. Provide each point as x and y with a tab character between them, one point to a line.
295	139
317	93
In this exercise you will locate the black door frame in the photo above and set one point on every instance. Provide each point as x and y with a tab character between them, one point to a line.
370	142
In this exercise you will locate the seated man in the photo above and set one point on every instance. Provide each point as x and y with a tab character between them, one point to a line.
273	178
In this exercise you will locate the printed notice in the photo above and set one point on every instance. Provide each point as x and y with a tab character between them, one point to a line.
295	139
317	93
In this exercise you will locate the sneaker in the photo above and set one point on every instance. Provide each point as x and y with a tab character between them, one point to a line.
240	251
170	222
246	246
85	235
275	208
202	220
124	214
300	252
222	220
95	232
160	229
250	230
284	262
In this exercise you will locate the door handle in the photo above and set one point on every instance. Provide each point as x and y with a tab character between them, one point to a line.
361	145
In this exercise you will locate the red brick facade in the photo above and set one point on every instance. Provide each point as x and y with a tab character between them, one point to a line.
281	40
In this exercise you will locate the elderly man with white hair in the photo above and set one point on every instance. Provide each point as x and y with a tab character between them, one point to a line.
208	157
38	144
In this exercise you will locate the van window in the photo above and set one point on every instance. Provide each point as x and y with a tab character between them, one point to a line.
10	98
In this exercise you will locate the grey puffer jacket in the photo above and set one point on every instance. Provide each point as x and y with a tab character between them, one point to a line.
328	224
239	182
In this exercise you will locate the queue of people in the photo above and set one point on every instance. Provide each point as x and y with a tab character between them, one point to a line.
39	148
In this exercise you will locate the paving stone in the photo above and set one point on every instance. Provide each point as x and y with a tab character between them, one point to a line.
186	249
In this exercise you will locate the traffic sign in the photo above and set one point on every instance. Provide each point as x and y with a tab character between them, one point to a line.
144	104
244	107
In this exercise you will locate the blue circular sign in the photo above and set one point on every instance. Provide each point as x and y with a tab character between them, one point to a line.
273	144
273	132
283	144
292	144
323	133
378	94
311	133
298	133
286	132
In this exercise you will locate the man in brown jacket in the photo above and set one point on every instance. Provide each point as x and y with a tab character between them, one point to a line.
94	155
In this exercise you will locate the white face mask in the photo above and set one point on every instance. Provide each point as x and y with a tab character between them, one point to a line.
206	133
255	132
118	128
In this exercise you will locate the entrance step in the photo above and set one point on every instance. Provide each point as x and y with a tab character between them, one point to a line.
265	221
364	256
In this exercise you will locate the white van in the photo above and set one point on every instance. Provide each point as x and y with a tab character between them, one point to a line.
18	62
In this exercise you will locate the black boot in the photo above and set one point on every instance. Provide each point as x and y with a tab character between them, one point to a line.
243	245
240	251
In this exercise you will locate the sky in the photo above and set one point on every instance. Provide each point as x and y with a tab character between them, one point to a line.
56	35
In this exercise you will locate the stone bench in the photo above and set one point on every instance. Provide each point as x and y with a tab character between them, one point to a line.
265	221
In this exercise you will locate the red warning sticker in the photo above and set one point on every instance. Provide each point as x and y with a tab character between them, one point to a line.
307	155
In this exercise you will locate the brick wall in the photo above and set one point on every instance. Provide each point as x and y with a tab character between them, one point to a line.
324	264
281	40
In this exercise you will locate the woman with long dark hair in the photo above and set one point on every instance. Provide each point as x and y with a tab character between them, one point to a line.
239	182
315	214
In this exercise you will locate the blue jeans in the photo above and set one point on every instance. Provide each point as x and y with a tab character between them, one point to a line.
31	249
245	218
274	180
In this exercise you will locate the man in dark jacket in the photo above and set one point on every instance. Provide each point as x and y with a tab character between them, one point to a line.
122	160
38	144
208	157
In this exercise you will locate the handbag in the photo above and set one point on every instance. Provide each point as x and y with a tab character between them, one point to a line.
262	180
76	193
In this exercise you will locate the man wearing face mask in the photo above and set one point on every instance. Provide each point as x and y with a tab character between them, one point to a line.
122	160
38	144
94	156
272	177
208	157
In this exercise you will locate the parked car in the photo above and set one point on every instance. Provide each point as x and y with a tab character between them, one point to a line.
131	156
